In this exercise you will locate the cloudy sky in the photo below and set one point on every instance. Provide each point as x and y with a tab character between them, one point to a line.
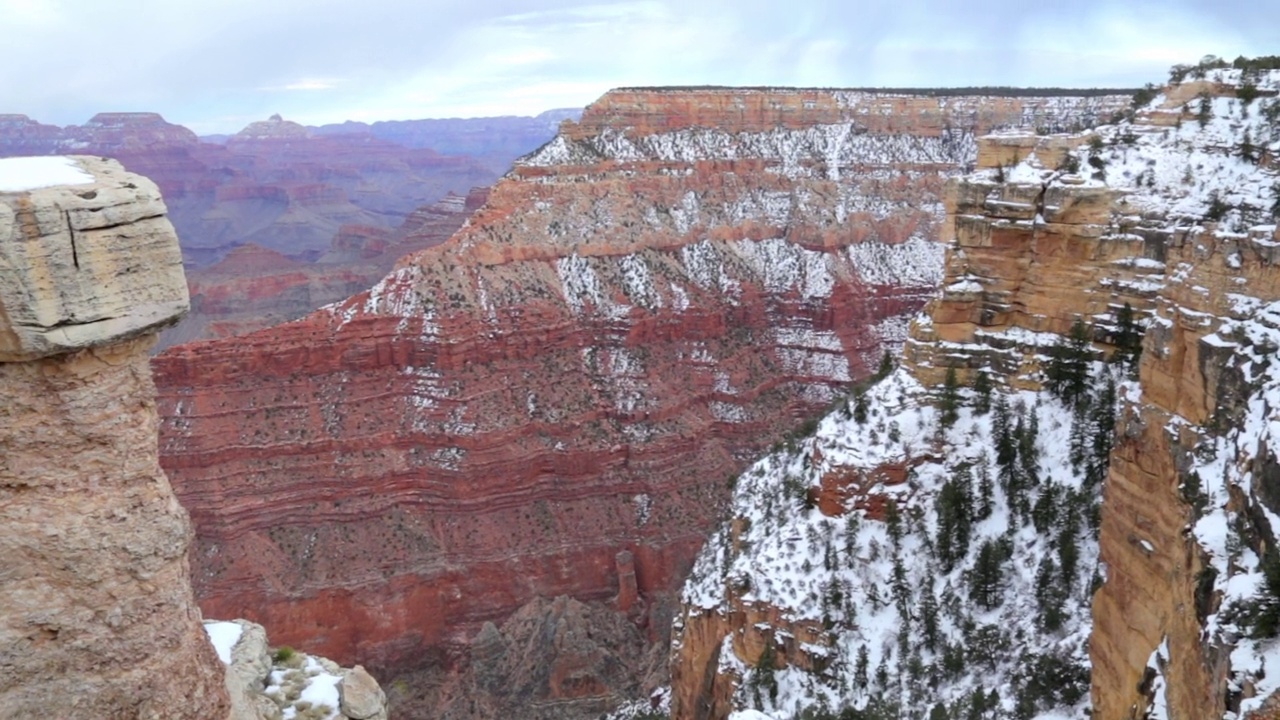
215	65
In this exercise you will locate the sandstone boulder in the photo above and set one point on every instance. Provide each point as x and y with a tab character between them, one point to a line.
85	263
362	698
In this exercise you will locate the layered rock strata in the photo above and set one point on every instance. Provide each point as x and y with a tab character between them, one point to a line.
1171	214
97	616
642	305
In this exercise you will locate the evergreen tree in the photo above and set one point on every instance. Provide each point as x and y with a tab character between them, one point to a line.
949	401
1029	450
1068	553
982	393
984	506
1204	113
1067	371
860	669
986	581
1045	512
851	538
1248	151
1049	596
1275	192
1103	435
929	615
893	522
764	678
886	365
954	506
1006	450
1078	440
860	407
1128	339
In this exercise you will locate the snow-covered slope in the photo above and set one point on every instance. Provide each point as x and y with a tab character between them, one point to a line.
862	570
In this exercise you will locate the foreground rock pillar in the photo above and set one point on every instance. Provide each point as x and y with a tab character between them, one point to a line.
97	615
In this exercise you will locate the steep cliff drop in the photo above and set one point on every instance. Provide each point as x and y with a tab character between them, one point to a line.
643	305
1042	513
97	617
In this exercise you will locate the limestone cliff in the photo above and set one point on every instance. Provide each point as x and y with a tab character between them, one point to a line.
97	617
920	538
641	306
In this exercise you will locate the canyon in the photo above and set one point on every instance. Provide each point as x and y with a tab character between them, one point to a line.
528	431
279	219
1156	477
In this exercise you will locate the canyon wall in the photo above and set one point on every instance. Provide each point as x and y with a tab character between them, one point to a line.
97	616
642	305
1165	221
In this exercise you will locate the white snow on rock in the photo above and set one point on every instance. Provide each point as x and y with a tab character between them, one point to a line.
224	636
20	174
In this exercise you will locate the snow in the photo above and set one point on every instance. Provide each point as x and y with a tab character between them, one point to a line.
21	174
224	636
784	561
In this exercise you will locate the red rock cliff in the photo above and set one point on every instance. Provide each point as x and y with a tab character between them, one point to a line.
641	306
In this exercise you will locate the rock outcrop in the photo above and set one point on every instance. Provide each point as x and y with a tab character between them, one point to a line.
1064	249
641	306
267	683
97	616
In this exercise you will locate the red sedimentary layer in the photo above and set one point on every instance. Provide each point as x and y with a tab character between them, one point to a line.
576	373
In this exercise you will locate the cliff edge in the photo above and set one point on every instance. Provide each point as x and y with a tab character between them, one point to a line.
94	582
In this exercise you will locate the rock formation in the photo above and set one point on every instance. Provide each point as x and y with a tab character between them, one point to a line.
273	684
1064	249
97	617
642	305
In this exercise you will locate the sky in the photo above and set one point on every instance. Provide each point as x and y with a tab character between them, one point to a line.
216	65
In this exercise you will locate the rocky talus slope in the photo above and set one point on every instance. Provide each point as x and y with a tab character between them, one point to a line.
97	616
1032	517
641	306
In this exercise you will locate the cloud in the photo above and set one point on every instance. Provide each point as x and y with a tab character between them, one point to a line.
206	64
307	84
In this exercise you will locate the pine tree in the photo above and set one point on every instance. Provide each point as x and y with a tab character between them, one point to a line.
1049	596
1029	450
886	365
860	407
929	615
1275	192
1067	372
1045	512
1248	151
860	669
986	581
1103	435
949	401
984	506
1128	338
1205	112
982	392
764	677
893	522
1068	554
954	506
1006	450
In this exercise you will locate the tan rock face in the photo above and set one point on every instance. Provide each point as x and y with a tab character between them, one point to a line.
86	264
97	617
